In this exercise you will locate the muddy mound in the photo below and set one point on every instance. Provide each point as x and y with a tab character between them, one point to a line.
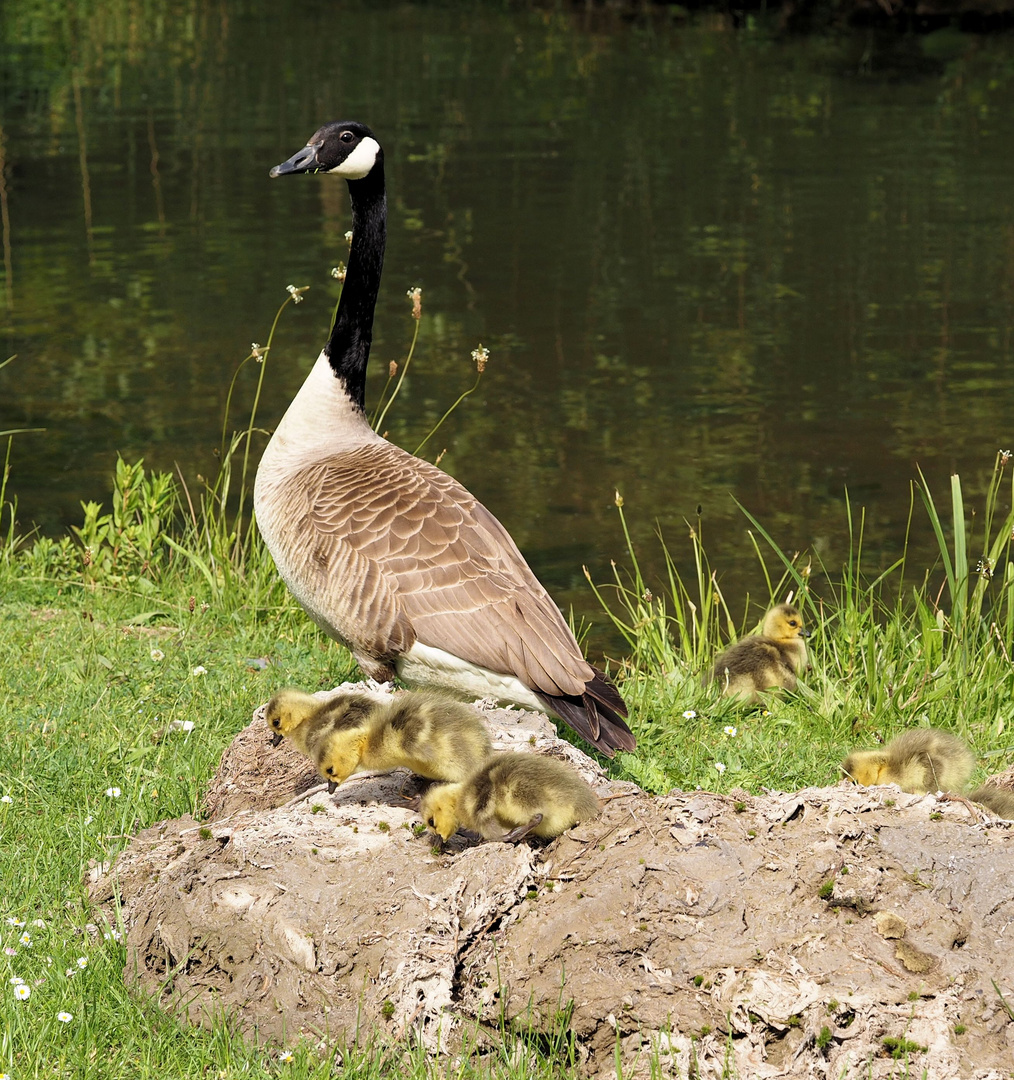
810	934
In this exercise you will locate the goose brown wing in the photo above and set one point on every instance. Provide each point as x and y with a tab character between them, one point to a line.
402	546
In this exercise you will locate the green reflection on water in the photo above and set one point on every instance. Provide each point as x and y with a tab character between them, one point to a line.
704	261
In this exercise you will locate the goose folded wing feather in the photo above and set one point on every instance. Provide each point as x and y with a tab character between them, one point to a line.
422	559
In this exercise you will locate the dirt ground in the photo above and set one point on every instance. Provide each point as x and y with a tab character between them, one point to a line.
703	935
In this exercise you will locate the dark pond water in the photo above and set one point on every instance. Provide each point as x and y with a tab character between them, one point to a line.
705	260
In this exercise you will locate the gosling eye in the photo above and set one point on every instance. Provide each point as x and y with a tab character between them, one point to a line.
276	723
346	136
792	622
432	824
329	770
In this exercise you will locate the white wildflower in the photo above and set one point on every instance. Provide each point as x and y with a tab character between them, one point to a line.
22	992
199	670
82	962
16	980
15	922
157	655
690	715
6	799
730	730
113	793
181	725
26	940
720	767
286	1057
64	1017
40	923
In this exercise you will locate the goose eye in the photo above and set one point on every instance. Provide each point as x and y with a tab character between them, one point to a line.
432	824
329	770
346	136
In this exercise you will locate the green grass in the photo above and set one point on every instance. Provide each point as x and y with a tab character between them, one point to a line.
900	648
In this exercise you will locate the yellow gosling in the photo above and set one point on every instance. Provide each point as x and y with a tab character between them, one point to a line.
428	733
770	660
918	761
304	719
511	796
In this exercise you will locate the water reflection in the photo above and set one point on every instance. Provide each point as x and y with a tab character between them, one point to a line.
704	261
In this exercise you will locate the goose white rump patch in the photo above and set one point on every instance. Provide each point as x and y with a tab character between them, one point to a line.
423	665
359	162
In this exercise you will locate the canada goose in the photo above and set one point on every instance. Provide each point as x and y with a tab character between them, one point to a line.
304	719
769	660
511	796
999	800
388	555
426	732
918	761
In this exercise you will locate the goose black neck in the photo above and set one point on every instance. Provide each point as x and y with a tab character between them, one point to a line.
348	347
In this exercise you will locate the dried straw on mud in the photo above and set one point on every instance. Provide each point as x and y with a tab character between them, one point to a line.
697	932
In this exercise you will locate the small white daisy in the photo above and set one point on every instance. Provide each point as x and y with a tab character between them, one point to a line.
26	940
690	715
22	992
16	980
40	923
730	730
89	819
6	799
64	1017
113	793
199	670
15	922
286	1057
157	655
719	766
82	962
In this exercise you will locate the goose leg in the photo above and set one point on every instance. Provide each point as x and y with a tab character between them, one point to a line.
521	831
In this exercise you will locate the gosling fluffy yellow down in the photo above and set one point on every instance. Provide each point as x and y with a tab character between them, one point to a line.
430	734
918	761
769	660
305	719
512	795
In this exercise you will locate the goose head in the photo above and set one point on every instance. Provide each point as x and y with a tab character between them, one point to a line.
783	623
342	148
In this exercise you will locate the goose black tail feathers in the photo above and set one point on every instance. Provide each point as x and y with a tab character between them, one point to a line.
597	715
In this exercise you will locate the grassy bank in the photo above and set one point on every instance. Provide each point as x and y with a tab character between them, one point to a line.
138	648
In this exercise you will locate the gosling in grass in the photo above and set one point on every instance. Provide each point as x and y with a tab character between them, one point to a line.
918	761
304	719
766	661
510	797
998	800
432	735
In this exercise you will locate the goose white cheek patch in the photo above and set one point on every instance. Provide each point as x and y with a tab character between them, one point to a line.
359	162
